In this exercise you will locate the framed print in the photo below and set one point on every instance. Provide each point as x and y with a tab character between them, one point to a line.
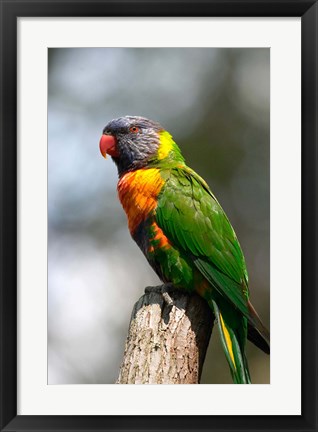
242	76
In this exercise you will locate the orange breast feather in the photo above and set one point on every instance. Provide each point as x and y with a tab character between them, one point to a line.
138	192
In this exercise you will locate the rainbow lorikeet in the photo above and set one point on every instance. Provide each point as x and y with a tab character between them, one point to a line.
183	231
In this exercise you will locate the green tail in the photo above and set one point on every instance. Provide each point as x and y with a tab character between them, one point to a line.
233	337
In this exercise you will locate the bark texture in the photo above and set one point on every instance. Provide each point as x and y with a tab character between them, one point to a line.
166	343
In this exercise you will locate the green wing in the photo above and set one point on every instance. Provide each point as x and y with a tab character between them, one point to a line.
193	220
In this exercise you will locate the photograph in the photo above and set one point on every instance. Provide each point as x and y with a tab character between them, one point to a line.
158	216
158	219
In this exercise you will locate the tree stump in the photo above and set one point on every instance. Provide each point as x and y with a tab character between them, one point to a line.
168	336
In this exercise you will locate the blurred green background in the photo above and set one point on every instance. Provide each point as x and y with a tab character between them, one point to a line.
215	103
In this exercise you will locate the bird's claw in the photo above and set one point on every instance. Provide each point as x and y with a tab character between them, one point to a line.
163	290
165	294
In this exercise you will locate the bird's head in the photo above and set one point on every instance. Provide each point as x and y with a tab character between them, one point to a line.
137	142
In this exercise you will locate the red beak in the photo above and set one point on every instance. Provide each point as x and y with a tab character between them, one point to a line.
107	145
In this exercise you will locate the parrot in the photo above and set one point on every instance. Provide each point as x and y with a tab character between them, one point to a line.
184	233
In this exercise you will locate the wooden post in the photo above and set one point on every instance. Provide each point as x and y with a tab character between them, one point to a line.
167	339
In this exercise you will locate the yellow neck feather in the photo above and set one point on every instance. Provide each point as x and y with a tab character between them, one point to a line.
166	145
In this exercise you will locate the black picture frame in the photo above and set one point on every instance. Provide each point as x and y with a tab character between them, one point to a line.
10	11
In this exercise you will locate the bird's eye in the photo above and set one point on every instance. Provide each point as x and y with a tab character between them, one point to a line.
134	129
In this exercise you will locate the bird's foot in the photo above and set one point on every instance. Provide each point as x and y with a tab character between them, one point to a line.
163	290
165	294
153	289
